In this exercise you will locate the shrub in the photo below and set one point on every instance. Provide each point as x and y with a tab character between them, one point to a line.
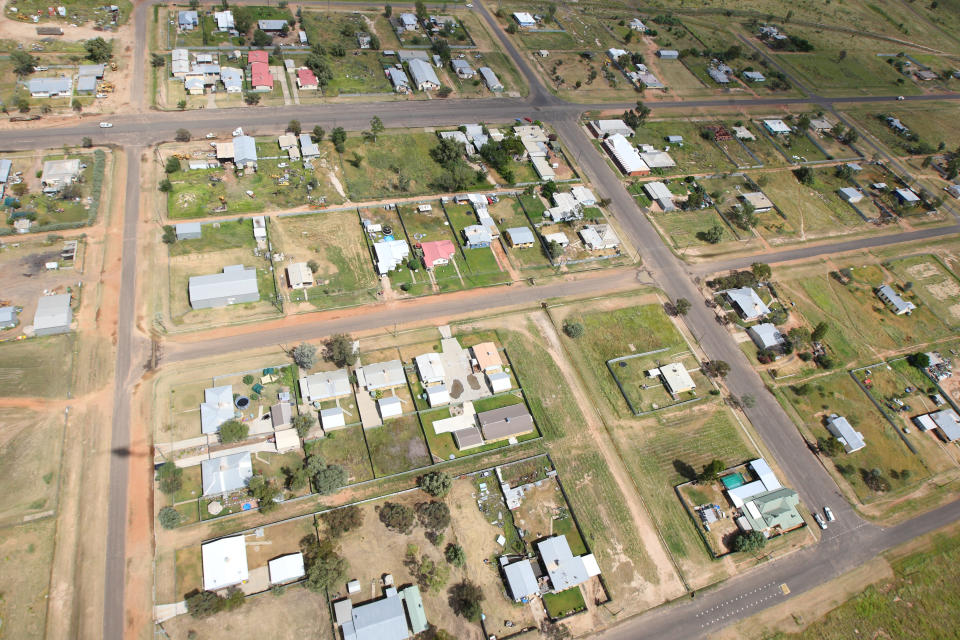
573	329
182	135
248	379
436	483
919	360
169	518
329	478
303	423
233	431
749	541
397	517
169	233
830	446
171	477
341	521
455	555
465	599
324	566
433	515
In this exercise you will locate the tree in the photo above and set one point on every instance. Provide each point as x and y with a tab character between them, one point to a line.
341	521
919	360
262	39
374	42
165	186
436	483
171	477
761	271
376	127
711	471
713	235
86	142
304	355
169	518
98	49
202	604
72	191
294	127
433	515
749	541
318	133
421	10
23	63
682	305
455	555
157	60
573	329
642	111
303	423
173	164
716	368
264	491
339	350
555	249
804	175
465	598
324	566
182	135
876	480
830	446
387	11
182	103
338	137
397	517
233	431
329	479
441	47
819	331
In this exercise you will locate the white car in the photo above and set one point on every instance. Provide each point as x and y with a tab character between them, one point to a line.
827	511
106	125
900	98
820	521
209	136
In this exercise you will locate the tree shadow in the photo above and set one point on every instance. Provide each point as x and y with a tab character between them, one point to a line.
685	470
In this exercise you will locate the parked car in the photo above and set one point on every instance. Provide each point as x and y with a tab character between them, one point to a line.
106	125
209	136
820	521
827	511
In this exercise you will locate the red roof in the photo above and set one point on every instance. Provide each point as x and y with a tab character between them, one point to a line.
258	56
306	78
437	251
260	75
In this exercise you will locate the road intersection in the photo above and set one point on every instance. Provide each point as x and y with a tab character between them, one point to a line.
849	542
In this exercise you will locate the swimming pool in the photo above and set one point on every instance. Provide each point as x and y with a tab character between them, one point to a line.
733	480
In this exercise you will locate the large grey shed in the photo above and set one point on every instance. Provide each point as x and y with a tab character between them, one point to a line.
189	231
53	315
237	284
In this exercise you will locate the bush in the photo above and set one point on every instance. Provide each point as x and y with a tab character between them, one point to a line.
202	604
329	479
169	233
264	492
182	135
433	515
248	379
172	165
340	350
171	477
573	329
303	423
86	143
830	446
233	431
304	355
455	555
397	517
436	483
341	521
169	518
749	541
465	598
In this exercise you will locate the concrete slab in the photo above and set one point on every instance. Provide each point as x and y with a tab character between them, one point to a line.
369	415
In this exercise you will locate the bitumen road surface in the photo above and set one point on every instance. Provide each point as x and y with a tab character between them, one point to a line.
848	542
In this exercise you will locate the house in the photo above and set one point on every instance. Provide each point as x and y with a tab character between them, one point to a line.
390	407
520	237
287	141
584	196
384	619
559	237
188	231
604	128
325	385
390	254
406	55
599	237
308	148
661	194
299	275
850	194
907	196
675	377
758	200
225	474
307	80
429	368
637	25
258	55
777	127
820	125
642	77
188	20
524	19
408	21
224	562
926	75
720	73
954	190
625	156
53	315
237	284
487	357
766	336
399	80
232	79
505	422
754	76
946	420
224	20
565	569
490	79
273	26
216	408
477	236
49	87
194	85
286	568
842	430
245	152
747	303
668	54
332	418
566	208
381	375
281	416
771	511
896	125
615	54
657	159
424	75
8	317
544	169
260	77
437	253
462	68
892	298
58	173
521	580
766	481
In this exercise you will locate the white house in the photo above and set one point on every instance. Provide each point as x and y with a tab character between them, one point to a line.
224	563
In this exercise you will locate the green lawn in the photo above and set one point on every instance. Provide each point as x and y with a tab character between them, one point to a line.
695	156
78	12
346	448
231	234
933	283
397	446
361	73
564	603
39	367
566	527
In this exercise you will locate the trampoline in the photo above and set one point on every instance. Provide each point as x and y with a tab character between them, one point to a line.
242	402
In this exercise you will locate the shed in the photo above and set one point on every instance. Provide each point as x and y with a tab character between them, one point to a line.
272	25
8	317
850	194
332	418
237	284
415	613
524	19
520	237
490	78
299	275
668	54
189	231
505	422
604	128
907	196
438	395
676	378
758	200
286	568
286	440
281	415
467	438
766	336
521	580
842	430
559	237
625	156
892	298
390	407
53	315
499	382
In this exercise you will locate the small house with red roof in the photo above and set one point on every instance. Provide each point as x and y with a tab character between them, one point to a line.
306	80
437	253
258	56
260	77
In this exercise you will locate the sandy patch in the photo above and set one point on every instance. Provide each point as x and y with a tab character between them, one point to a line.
922	271
945	289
